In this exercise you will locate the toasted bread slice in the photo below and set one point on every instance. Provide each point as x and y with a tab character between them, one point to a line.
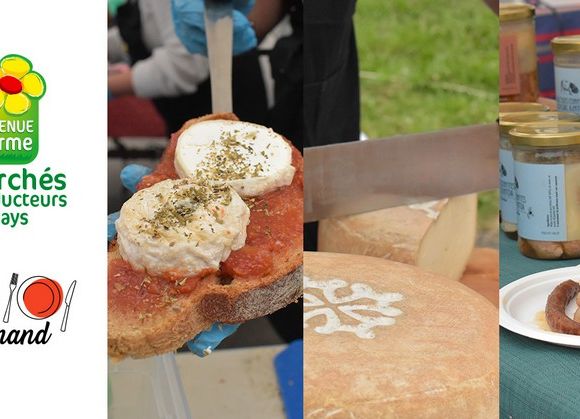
149	316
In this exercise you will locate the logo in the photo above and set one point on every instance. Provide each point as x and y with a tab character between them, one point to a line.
37	298
354	308
21	89
569	87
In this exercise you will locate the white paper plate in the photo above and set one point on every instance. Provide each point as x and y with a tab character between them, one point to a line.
521	301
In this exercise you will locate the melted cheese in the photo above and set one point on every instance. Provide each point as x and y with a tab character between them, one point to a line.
181	228
251	158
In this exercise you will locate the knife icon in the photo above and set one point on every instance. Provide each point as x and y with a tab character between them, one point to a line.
67	300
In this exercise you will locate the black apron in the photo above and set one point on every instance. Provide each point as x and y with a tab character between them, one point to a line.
322	50
331	82
249	95
286	60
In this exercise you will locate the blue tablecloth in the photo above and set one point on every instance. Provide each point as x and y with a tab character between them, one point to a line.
537	380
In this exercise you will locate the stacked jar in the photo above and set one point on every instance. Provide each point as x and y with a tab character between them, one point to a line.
517	48
547	180
566	51
515	107
508	186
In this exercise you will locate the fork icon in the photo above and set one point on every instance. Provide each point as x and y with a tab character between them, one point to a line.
13	283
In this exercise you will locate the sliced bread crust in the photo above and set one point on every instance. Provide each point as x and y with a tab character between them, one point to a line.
215	299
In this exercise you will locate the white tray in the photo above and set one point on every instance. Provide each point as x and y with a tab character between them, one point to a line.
521	301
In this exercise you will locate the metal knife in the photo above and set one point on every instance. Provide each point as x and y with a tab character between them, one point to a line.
219	29
67	300
361	176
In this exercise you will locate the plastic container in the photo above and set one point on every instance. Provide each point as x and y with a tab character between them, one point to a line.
547	172
146	389
507	191
513	107
518	63
566	51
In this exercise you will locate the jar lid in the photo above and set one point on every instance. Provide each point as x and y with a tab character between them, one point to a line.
514	107
564	44
515	11
510	120
546	134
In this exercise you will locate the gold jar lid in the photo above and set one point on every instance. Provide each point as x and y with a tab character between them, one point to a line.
546	134
566	44
510	120
515	11
514	107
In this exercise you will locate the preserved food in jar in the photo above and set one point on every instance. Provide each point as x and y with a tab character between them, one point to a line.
547	173
567	72
517	54
515	107
507	191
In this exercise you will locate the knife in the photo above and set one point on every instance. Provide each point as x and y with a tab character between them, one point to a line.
219	29
361	176
67	300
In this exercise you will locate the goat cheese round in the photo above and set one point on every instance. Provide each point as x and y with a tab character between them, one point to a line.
251	158
179	228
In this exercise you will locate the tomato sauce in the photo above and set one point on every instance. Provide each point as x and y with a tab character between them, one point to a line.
275	228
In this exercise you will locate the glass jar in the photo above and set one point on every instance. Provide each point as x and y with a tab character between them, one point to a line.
507	190
518	62
513	107
547	173
566	51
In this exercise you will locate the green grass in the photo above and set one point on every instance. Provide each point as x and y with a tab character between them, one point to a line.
428	65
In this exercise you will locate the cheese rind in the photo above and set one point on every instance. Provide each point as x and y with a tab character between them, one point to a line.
181	228
438	236
251	158
435	358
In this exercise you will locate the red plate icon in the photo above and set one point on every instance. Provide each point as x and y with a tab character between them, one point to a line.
39	297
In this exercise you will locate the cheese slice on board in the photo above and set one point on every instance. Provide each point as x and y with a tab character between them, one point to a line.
384	339
438	236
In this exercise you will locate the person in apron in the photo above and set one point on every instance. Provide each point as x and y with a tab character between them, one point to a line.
331	80
315	70
139	20
323	44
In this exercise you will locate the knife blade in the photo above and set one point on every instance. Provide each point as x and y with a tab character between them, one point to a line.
70	292
67	301
219	29
361	176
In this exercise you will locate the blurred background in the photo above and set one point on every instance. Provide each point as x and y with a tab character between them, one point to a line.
425	66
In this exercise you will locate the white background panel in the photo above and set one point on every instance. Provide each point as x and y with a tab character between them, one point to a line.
66	42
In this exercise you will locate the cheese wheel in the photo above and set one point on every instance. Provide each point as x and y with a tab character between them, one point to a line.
438	236
384	339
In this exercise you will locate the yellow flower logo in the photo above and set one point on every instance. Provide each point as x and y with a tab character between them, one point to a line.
18	84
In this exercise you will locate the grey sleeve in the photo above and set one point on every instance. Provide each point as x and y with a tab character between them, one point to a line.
170	70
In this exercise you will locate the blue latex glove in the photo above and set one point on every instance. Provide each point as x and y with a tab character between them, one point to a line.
188	19
204	343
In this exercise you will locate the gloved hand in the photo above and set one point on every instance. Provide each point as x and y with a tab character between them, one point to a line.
204	343
188	19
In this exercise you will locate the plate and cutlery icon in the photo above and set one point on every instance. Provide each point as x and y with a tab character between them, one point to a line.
39	298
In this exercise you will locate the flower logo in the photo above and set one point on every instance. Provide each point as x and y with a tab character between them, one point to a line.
19	84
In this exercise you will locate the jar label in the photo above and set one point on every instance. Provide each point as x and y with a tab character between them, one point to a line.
507	191
509	68
568	89
541	201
